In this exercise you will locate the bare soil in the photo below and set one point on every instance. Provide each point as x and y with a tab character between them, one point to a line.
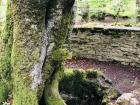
124	78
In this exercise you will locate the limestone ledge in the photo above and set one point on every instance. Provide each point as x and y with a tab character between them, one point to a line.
107	44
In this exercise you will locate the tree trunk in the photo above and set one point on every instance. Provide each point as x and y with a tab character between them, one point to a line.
32	54
61	18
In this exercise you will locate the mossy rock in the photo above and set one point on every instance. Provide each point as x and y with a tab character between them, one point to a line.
94	73
87	87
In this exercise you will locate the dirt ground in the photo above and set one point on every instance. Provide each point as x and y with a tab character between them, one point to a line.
124	78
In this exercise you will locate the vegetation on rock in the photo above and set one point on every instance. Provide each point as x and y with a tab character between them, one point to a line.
81	87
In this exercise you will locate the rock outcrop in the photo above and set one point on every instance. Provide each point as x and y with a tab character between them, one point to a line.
107	44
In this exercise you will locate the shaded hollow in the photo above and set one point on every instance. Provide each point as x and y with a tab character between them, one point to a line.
86	88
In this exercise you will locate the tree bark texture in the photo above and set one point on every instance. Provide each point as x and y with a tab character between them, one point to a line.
32	52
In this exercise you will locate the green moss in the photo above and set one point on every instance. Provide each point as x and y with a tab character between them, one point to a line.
29	29
56	65
6	42
3	92
61	54
23	94
52	94
68	72
109	94
75	83
5	54
72	80
90	84
95	73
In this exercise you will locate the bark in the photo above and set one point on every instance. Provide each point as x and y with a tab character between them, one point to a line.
28	50
60	15
32	49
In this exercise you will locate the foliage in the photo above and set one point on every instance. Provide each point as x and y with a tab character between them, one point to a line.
127	7
5	103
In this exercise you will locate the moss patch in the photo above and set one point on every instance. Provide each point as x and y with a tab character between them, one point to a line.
86	88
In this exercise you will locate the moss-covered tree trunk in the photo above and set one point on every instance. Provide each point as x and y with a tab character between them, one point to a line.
32	52
58	23
28	52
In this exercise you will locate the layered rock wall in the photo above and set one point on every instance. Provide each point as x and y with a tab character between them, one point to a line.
107	44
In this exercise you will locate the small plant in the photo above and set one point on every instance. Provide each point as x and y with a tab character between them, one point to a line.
5	103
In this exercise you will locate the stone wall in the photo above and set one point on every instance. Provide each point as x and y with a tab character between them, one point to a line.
107	44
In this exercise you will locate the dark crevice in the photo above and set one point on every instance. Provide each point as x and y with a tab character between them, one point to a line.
42	101
49	13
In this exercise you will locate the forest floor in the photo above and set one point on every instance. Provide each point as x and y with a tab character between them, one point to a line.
124	78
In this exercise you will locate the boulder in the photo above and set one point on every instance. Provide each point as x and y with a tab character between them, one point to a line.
132	98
